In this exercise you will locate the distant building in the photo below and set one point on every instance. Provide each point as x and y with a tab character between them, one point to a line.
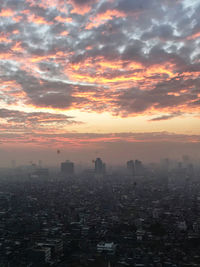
40	255
42	172
130	167
67	167
165	163
38	172
138	167
55	245
186	160
182	226
100	166
106	247
190	170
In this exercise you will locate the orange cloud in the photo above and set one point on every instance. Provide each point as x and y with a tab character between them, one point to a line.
102	80
173	93
61	54
17	47
60	5
102	18
161	69
194	36
4	38
15	32
65	33
89	47
38	20
192	75
39	58
5	56
63	20
25	12
17	18
82	8
12	88
136	72
6	13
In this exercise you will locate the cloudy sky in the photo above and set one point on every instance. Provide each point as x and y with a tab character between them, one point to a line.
110	78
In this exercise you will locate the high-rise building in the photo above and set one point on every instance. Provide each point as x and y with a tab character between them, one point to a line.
100	166
67	167
130	167
186	159
165	163
42	172
138	167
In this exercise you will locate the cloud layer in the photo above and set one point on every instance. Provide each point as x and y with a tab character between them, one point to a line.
125	57
133	56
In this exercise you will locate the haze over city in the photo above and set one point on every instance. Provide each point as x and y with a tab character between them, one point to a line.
112	79
99	133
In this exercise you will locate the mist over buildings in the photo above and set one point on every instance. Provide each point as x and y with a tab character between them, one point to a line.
113	153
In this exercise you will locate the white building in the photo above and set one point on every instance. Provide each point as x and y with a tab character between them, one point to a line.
106	247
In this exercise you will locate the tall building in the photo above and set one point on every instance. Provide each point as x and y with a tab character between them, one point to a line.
67	167
130	167
100	166
42	172
138	167
186	160
165	163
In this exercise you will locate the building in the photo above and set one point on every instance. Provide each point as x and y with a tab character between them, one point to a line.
100	166
55	245
130	167
38	172
106	247
40	255
67	168
42	172
165	163
138	167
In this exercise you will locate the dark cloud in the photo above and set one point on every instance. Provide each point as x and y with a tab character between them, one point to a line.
134	5
53	55
164	95
84	2
115	140
164	32
167	117
29	119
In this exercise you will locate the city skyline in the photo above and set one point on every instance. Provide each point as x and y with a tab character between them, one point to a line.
111	79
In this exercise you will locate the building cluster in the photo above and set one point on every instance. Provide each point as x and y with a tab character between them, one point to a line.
135	168
98	219
67	168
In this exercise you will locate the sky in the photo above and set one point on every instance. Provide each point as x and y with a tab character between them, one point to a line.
118	79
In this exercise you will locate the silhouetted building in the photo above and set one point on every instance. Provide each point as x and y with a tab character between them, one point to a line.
186	160
100	166
106	247
138	167
165	164
42	172
67	168
130	167
39	255
36	172
190	170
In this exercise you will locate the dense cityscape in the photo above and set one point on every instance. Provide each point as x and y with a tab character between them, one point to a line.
136	215
99	133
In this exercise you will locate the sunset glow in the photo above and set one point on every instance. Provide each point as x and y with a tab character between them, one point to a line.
98	74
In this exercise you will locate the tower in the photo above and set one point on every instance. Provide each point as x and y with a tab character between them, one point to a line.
130	167
100	166
67	167
138	167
